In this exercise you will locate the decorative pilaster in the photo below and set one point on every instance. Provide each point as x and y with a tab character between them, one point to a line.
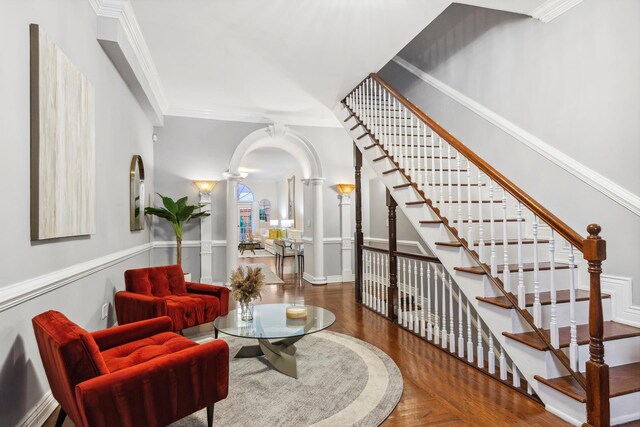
232	223
393	260
206	255
345	235
359	237
318	230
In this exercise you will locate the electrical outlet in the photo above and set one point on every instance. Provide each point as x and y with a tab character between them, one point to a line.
105	310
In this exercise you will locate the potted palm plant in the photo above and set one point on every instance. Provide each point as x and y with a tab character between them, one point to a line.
178	213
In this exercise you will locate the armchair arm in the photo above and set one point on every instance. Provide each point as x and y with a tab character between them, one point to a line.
157	392
220	292
112	337
132	307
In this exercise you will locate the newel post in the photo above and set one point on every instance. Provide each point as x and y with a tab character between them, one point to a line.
359	238
393	260
597	375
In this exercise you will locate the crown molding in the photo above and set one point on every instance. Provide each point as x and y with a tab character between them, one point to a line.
551	9
599	182
119	34
253	116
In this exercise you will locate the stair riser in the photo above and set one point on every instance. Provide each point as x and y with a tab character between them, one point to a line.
541	363
563	313
510	319
625	408
562	405
616	352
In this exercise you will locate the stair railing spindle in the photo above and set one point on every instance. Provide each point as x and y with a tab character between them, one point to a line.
460	227
429	322
469	208
452	333
433	166
537	307
521	289
449	187
573	343
491	355
460	326
412	172
469	334
480	222
503	365
422	325
416	301
515	375
440	165
553	323
480	349
410	298
494	265
436	326
444	309
427	190
505	245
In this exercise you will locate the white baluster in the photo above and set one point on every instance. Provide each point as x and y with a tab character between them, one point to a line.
515	375
521	289
376	108
553	324
460	327
469	208
436	330
491	356
405	138
469	337
441	167
460	227
425	163
411	142
433	167
409	300
529	389
480	349
418	170
480	222
503	365
537	307
367	277
573	343
444	309
449	187
494	265
452	333
429	324
377	282
505	245
401	294
422	325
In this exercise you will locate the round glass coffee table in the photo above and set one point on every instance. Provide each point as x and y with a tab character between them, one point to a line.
269	323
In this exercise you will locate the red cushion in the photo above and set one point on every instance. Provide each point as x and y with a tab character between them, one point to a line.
156	281
140	351
191	310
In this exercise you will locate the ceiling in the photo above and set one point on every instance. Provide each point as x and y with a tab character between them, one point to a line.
287	61
268	164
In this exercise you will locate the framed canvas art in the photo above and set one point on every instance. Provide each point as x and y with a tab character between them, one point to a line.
62	144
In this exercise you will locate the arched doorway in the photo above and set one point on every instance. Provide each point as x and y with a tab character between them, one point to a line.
284	138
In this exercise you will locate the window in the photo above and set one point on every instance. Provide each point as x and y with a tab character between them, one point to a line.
244	193
265	210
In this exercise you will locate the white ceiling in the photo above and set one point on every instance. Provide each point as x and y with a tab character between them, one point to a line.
269	164
286	61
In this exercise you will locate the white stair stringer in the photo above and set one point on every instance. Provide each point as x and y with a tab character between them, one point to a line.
530	362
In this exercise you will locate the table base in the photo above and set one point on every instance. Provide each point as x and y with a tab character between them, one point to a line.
280	354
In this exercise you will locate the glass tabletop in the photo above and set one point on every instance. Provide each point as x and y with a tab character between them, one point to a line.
270	322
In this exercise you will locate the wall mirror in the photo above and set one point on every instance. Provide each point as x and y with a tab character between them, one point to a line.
136	193
291	211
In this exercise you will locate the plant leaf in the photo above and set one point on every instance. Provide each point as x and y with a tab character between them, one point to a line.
160	212
169	204
182	202
185	213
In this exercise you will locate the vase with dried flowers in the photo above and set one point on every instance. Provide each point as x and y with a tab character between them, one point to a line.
246	284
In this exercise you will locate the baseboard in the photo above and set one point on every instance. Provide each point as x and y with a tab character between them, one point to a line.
40	412
20	292
314	280
337	278
621	291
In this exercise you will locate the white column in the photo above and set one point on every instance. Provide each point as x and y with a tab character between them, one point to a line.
206	256
318	231
345	234
232	223
255	218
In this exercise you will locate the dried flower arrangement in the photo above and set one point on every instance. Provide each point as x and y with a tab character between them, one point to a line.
246	286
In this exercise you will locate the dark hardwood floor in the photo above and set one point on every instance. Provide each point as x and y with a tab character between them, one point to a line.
438	389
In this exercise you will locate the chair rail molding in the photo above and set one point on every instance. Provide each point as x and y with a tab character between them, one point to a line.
597	181
20	292
551	9
119	34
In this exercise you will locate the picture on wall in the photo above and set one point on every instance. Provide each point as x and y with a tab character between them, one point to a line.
62	144
291	207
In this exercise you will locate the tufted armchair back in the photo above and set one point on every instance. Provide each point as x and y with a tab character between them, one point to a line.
156	281
69	354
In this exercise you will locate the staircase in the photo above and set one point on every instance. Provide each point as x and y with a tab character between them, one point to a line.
532	280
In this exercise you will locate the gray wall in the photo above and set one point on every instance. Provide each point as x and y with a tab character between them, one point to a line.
189	149
122	129
572	82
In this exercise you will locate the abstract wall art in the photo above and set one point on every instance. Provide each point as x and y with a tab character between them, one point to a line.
62	144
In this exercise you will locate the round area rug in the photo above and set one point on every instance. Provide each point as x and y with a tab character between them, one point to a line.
342	381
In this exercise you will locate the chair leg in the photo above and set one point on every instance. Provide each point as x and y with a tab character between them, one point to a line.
215	334
61	416
210	416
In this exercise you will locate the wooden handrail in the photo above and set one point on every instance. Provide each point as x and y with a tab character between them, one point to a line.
418	257
550	219
374	249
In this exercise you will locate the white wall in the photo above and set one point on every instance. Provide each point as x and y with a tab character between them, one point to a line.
122	130
573	83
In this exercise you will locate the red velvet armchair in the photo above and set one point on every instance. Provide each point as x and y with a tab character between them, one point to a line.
162	291
140	374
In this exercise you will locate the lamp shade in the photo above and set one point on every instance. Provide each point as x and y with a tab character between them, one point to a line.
274	222
345	188
286	223
205	186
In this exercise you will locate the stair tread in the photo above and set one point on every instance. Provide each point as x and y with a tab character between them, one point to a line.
456	244
612	331
513	268
623	379
562	296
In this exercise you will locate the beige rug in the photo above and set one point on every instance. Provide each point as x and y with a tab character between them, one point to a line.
270	278
342	381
